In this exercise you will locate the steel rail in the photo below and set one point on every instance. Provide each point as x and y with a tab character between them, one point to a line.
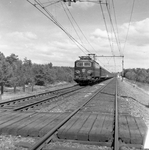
46	99
33	96
48	137
116	141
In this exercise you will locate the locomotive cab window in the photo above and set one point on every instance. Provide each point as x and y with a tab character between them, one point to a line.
83	64
87	64
79	64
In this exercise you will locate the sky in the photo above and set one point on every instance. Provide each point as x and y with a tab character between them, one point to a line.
26	32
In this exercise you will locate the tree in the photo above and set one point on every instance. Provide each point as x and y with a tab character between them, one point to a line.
131	75
12	59
39	74
138	74
16	76
4	71
15	72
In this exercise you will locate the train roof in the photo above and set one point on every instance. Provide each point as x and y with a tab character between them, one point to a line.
86	58
90	60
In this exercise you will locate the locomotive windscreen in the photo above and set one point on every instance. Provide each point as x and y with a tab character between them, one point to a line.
87	64
79	64
83	64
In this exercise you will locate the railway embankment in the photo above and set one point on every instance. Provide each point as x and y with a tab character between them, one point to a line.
137	98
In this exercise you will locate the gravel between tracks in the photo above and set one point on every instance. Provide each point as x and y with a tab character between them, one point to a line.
71	102
74	146
8	142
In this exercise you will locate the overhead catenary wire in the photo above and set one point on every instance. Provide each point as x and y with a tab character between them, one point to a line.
116	38
129	24
106	28
117	30
80	29
112	37
112	30
57	23
116	33
51	3
107	32
72	24
51	17
42	8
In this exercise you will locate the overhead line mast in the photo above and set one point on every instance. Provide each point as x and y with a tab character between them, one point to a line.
121	56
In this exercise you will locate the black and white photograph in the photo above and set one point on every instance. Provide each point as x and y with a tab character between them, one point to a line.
74	74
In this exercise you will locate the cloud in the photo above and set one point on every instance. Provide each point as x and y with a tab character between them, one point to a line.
58	52
98	33
136	51
101	41
3	46
22	35
136	56
138	32
30	35
63	45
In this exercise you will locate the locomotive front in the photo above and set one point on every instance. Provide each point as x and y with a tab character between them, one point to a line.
83	71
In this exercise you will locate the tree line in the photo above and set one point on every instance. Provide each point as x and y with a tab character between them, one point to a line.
137	74
15	72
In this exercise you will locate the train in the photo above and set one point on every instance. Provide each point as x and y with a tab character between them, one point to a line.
88	71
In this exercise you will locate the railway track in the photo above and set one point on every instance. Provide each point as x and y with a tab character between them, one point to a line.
29	102
101	119
97	121
61	134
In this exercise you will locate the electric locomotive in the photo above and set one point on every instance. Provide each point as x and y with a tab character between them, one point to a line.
88	71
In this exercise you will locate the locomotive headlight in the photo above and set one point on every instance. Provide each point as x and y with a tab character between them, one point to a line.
77	71
89	71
